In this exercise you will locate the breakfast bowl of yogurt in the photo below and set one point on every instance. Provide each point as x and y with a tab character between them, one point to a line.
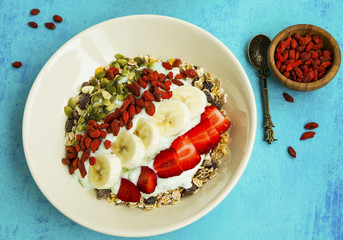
149	136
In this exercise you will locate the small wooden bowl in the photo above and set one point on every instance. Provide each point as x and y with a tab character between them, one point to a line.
329	43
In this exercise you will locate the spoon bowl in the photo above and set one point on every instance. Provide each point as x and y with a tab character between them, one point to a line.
257	52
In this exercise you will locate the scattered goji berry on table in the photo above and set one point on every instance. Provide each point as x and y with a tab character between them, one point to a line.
292	152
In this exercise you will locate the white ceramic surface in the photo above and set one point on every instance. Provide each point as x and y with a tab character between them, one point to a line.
61	77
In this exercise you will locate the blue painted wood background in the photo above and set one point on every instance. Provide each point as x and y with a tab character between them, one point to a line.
278	197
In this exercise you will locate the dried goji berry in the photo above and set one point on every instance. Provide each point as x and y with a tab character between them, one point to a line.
73	166
317	46
92	160
292	152
132	111
298	72
316	39
304	40
82	168
78	137
288	97
177	82
307	135
309	46
285	55
327	53
110	117
142	83
149	108
162	77
103	133
125	104
94	133
125	116
95	144
35	11
33	24
103	125
115	127
296	36
156	83
134	90
57	18
77	147
66	161
167	65
85	155
138	109
325	64
311	125
294	44
167	95
50	25
177	63
17	64
170	75
107	144
278	65
147	96
93	123
178	76
139	102
129	124
121	122
88	141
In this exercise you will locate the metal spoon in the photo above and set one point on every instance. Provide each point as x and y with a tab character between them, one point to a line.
257	52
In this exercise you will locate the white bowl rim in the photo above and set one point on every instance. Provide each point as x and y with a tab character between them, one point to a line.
213	204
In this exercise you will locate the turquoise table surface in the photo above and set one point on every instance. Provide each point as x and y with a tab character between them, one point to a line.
278	197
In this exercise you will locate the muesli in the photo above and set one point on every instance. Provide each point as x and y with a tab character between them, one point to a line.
144	132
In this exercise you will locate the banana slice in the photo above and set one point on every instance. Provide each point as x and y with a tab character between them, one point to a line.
171	117
193	97
148	132
105	172
129	148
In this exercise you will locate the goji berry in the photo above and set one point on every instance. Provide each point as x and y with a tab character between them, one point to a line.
77	147
92	161
139	102
162	77
147	96
311	125
288	97
57	18
125	104
66	161
177	63
142	83
131	110
103	133
107	144
307	135
73	166
103	125
292	152
167	65
88	141
35	11
50	25
33	24
94	133
82	168
149	108
95	144
93	123
129	124
167	95
115	127
17	64
177	82
170	75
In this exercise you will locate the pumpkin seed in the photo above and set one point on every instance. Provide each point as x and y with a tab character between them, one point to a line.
126	90
106	94
116	65
97	104
138	74
131	76
119	56
138	60
89	109
111	89
111	107
113	98
106	102
96	97
87	89
94	82
119	77
82	119
104	82
79	128
150	64
68	112
119	88
121	97
125	72
122	62
96	117
72	102
103	115
100	74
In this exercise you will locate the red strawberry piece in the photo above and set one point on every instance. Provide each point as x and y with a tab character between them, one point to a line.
128	191
107	144
200	139
147	180
217	119
167	164
186	152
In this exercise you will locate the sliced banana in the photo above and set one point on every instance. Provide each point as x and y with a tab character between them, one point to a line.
105	172
193	97
171	117
129	148
148	132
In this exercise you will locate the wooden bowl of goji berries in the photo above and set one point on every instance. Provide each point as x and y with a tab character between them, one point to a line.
304	57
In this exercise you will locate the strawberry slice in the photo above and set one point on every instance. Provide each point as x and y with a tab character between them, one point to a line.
218	120
187	153
211	132
200	139
147	180
128	191
167	164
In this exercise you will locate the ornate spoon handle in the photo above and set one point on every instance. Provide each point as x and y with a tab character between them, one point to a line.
268	124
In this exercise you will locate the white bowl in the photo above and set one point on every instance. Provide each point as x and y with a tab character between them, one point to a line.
61	77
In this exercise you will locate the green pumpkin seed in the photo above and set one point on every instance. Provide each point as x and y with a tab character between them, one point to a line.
119	77
119	88
97	104
113	98
89	109
138	75
106	94
96	117
104	82
131	76
119	56
111	107
116	65
122	62
111	89
68	112
107	102
87	89
100	74
126	90
72	102
125	72
96	97
138	60
103	115
121	97
94	82
82	119
79	128
150	64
